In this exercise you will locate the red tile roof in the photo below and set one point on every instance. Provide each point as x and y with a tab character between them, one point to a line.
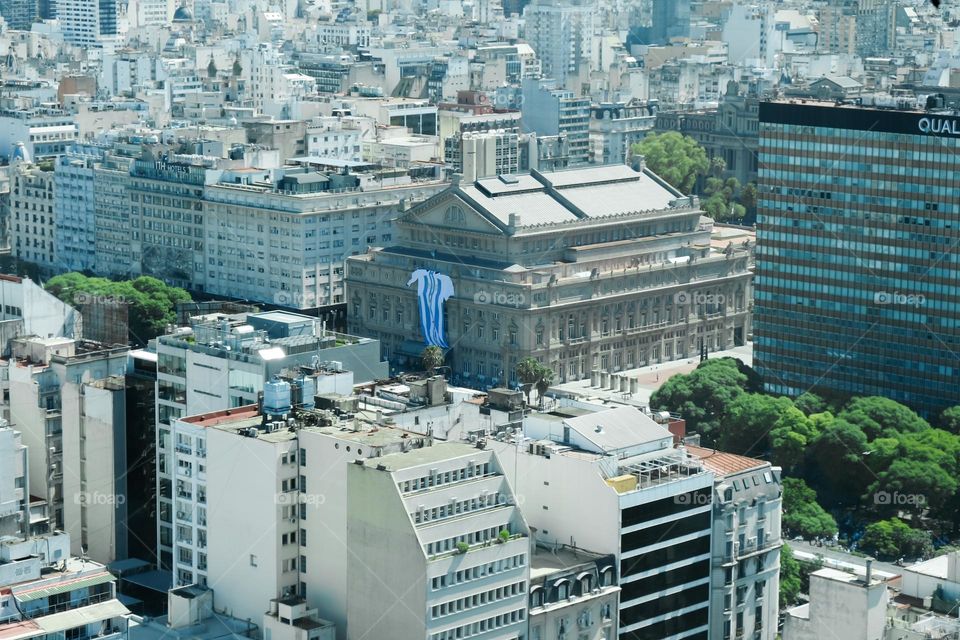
724	464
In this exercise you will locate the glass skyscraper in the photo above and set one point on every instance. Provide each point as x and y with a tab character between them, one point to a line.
857	288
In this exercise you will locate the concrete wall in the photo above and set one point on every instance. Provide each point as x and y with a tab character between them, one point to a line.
386	578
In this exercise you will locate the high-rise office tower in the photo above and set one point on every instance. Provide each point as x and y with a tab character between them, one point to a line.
18	14
88	22
561	32
667	19
856	281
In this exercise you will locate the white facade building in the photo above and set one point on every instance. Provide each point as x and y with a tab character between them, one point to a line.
33	217
44	131
197	374
841	605
610	480
436	531
746	545
561	33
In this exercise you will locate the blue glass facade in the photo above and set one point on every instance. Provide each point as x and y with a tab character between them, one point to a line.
858	267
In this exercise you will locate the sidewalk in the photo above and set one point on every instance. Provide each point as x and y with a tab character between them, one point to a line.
651	377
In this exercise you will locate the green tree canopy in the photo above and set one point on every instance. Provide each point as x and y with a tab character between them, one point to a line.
748	421
703	396
877	416
431	358
676	158
838	455
810	403
950	420
720	199
152	304
894	538
802	514
789	577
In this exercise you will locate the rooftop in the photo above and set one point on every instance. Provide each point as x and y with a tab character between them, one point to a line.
569	195
725	464
418	457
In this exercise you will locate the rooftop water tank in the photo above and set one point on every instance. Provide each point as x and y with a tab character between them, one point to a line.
276	397
308	386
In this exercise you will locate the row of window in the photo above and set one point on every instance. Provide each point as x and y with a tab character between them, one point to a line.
475	573
477	600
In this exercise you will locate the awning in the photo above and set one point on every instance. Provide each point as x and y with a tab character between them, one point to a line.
63	587
82	616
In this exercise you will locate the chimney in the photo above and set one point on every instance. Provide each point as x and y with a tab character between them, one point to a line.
869	570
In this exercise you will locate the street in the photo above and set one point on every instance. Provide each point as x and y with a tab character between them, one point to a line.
836	558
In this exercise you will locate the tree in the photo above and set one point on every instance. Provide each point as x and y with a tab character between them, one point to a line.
748	421
676	158
841	473
911	485
528	372
802	514
703	396
151	303
543	383
748	196
790	436
950	420
789	577
810	403
877	416
720	204
894	538
431	358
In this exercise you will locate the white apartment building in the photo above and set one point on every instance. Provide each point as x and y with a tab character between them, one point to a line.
286	243
294	478
75	204
437	532
45	131
492	153
221	363
561	33
67	399
73	598
338	137
33	221
610	480
745	587
27	309
14	486
842	605
112	250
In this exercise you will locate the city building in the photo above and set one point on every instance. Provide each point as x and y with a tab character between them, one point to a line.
855	278
615	127
842	605
284	241
75	206
27	309
91	23
572	592
67	398
437	532
14	485
745	573
33	221
601	268
561	34
18	14
636	497
550	111
44	131
223	362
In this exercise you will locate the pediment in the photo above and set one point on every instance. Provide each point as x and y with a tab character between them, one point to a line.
448	210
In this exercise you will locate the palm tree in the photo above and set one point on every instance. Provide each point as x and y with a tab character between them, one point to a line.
544	382
528	372
431	358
